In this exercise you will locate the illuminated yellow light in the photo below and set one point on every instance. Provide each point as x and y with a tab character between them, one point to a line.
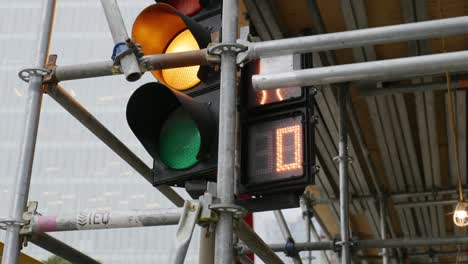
264	97
185	77
297	163
278	93
461	214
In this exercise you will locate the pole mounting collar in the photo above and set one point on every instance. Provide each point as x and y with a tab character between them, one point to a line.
236	210
350	243
121	49
220	48
27	73
348	159
4	222
290	248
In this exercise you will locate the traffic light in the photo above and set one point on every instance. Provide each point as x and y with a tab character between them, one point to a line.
278	154
176	118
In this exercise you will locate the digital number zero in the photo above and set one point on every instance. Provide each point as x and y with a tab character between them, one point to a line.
275	149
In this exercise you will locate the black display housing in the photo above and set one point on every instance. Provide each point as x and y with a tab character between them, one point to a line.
303	106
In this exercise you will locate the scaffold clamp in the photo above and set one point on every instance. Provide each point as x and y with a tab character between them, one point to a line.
31	211
27	73
241	248
236	210
10	221
122	49
290	248
207	215
348	159
220	48
351	243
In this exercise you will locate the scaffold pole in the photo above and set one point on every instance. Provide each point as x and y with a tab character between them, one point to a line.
224	251
343	159
20	195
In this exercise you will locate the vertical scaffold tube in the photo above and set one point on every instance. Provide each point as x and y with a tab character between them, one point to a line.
227	133
343	166
28	142
383	231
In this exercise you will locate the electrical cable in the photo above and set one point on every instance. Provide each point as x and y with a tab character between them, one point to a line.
452	128
452	118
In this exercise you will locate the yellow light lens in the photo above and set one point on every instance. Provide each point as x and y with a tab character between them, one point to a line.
186	77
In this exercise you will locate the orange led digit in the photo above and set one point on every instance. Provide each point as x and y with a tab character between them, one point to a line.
263	97
279	95
281	166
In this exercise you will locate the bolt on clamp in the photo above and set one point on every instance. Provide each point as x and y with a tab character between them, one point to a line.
236	210
4	222
220	48
207	215
241	248
122	49
338	244
349	159
27	73
23	224
290	249
28	216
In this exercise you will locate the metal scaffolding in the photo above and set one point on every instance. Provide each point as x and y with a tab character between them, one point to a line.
24	222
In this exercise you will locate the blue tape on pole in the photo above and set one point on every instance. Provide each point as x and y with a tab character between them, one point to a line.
290	248
120	49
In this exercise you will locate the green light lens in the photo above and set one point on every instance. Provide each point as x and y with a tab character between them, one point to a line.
179	141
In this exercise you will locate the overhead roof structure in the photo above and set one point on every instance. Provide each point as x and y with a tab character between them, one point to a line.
400	132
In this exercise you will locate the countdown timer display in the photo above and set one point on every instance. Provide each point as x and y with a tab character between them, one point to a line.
271	65
275	150
277	135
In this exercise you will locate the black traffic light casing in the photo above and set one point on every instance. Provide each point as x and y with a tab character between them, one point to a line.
148	109
276	136
206	12
153	104
271	182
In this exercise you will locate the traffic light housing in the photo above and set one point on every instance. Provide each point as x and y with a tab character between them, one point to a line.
161	29
176	119
180	133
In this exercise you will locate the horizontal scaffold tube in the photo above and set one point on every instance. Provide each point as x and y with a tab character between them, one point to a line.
378	243
313	246
331	41
150	62
393	69
88	220
360	37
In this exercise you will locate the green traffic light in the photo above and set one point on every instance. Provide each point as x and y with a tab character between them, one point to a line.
179	141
